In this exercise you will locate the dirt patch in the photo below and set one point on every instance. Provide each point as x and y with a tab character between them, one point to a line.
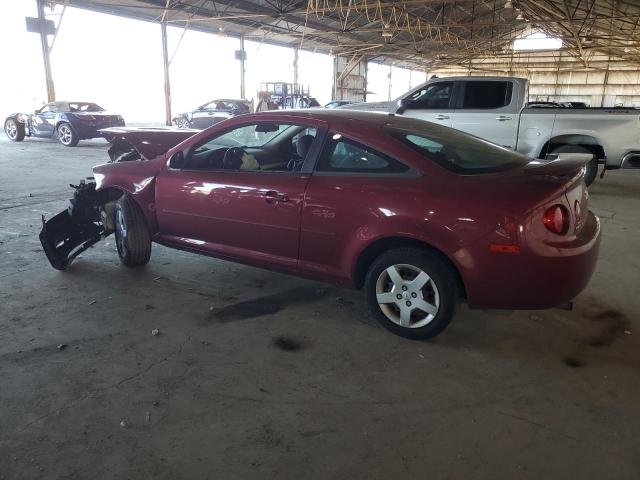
269	304
614	323
573	362
288	344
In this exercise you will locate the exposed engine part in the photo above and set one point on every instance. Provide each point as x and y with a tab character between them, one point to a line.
107	217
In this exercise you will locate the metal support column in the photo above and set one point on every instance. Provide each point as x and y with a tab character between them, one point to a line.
335	78
242	72
51	92
389	77
295	66
167	84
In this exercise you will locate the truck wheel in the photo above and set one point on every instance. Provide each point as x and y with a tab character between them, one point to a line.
412	292
591	171
14	130
133	239
67	136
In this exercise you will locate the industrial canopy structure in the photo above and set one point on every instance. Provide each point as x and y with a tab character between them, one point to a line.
425	34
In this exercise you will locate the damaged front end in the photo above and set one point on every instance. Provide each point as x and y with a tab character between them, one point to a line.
87	220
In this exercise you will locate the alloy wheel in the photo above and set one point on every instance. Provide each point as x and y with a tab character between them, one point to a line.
121	234
183	123
407	296
65	134
11	129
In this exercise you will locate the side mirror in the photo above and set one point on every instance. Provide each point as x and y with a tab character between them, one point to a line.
177	160
403	104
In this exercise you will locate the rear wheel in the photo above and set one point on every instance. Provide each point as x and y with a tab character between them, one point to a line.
14	130
133	239
183	123
591	170
67	136
412	292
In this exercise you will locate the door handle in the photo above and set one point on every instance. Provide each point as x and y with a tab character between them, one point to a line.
271	196
442	117
503	118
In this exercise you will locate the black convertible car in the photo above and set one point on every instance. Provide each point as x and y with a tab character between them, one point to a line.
212	112
69	122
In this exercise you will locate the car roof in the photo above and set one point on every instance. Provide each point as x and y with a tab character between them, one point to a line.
352	122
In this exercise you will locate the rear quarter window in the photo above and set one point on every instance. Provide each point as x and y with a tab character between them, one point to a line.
461	153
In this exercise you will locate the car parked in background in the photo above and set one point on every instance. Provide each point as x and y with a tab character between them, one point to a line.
418	214
496	109
338	103
211	113
69	122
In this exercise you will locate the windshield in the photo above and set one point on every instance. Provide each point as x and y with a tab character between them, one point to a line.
460	152
248	136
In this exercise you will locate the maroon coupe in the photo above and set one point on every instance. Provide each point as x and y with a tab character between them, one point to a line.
419	215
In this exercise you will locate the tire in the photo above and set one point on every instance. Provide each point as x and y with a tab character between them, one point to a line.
133	239
591	171
439	292
183	123
14	130
67	135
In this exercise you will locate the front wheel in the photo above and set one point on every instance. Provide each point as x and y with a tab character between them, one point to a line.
133	239
412	292
14	130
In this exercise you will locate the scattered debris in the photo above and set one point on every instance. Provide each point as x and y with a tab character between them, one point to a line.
421	355
31	195
92	302
627	332
148	416
62	288
211	308
124	423
204	342
157	279
62	346
535	318
166	263
149	307
155	332
156	403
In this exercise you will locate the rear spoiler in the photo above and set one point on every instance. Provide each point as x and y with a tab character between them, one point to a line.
560	164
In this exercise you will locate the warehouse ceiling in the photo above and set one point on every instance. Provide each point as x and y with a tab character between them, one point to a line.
414	33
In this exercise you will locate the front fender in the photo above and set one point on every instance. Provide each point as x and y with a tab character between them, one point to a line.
137	179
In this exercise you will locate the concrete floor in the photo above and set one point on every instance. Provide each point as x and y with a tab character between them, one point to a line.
261	375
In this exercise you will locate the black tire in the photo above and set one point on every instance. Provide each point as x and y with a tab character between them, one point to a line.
133	239
183	123
14	130
440	291
67	136
591	171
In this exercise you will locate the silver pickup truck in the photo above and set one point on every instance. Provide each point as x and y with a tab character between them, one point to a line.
495	108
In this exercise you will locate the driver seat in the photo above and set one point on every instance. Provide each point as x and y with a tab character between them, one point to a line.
302	149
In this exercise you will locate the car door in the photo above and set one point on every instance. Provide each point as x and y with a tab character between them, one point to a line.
488	109
354	190
247	214
432	102
43	121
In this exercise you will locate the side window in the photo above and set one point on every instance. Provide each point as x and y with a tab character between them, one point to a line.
263	146
487	94
49	109
432	96
348	156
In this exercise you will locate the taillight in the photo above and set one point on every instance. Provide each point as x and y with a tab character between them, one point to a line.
556	219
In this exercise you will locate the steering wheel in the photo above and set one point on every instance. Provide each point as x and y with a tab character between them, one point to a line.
232	159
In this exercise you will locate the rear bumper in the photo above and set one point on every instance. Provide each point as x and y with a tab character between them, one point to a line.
549	277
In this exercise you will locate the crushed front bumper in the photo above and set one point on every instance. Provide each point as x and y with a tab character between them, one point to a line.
73	230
